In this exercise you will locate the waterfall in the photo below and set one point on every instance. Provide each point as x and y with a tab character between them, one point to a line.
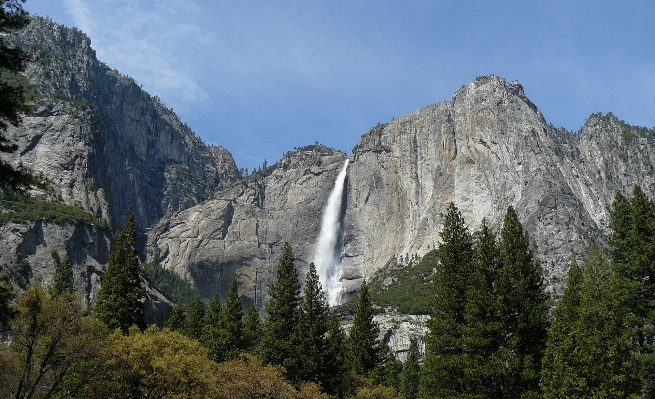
327	256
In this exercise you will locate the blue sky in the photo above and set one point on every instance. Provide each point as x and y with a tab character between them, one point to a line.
262	77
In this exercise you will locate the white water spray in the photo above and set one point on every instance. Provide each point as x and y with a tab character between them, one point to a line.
327	257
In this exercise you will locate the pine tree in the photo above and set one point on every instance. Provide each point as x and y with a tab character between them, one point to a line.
524	310
409	377
120	300
177	317
443	373
561	358
211	335
309	338
482	331
62	282
232	324
632	248
335	354
282	311
6	295
252	330
592	358
365	350
195	320
392	369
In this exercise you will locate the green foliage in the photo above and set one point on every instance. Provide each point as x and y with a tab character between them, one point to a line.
223	330
524	309
55	347
6	295
120	300
23	209
443	373
632	249
309	339
194	322
172	285
409	377
62	282
252	330
335	357
405	287
365	353
589	349
282	311
177	317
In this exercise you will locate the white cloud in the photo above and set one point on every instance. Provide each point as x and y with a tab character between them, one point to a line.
149	41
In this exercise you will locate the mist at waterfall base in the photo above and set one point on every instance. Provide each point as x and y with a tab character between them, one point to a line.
327	255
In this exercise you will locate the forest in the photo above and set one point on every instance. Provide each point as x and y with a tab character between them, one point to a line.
494	332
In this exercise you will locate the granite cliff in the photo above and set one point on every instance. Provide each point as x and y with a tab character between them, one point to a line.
486	148
106	146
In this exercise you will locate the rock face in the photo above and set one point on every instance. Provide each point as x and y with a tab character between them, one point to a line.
487	148
241	232
106	144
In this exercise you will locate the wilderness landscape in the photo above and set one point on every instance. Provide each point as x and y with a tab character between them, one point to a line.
455	227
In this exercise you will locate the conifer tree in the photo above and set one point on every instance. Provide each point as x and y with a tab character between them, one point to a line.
232	324
592	358
177	317
120	300
560	358
392	369
524	309
309	338
632	248
6	295
335	354
409	377
484	358
252	330
194	322
282	311
365	350
443	373
211	335
62	282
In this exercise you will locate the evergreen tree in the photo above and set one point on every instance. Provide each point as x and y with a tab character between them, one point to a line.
282	311
593	358
62	282
309	338
335	354
212	329
232	324
6	295
409	377
560	358
195	320
392	369
632	248
443	373
120	300
484	361
252	330
365	350
177	317
524	310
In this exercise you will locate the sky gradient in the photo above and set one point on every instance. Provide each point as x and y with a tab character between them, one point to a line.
261	78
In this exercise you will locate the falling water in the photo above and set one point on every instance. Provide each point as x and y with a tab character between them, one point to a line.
327	257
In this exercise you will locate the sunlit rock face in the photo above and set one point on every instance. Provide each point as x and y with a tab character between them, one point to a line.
487	148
